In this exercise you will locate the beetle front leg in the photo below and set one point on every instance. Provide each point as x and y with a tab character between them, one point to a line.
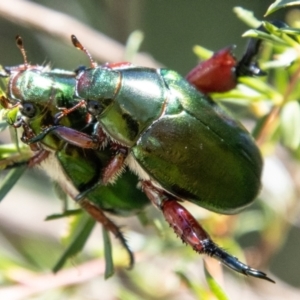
72	136
65	111
192	233
40	153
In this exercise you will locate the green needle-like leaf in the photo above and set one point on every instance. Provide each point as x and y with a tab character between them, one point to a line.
214	286
10	180
66	213
83	230
109	265
280	4
3	125
246	16
198	290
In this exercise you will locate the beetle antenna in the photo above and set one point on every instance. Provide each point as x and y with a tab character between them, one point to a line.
79	46
20	45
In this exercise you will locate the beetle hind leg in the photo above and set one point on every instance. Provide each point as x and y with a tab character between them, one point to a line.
192	233
109	225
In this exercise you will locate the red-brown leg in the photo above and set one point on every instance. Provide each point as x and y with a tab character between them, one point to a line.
71	136
38	158
65	111
113	169
40	153
116	164
191	232
100	217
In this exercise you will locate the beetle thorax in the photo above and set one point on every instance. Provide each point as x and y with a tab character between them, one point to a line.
97	84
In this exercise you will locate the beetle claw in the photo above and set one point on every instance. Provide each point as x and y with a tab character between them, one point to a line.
258	274
233	263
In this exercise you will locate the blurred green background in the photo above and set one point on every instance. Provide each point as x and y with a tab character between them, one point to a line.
171	28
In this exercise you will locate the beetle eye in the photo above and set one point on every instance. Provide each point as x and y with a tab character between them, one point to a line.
80	69
94	107
28	110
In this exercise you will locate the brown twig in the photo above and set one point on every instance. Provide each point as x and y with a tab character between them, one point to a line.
274	114
61	26
30	284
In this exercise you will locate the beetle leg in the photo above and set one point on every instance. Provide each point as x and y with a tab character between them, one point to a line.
65	111
38	158
113	169
192	233
41	154
71	136
27	133
100	217
97	214
116	164
12	162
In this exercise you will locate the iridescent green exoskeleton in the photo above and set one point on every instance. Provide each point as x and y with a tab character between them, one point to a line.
76	169
178	141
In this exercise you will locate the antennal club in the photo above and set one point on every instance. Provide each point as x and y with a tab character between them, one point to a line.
20	45
79	46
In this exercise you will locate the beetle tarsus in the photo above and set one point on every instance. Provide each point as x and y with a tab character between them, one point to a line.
65	111
232	262
247	66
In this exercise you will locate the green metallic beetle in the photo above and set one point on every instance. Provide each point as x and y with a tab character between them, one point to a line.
75	169
178	141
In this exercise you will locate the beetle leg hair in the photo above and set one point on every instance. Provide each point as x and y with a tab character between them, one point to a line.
111	172
192	233
40	156
116	164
